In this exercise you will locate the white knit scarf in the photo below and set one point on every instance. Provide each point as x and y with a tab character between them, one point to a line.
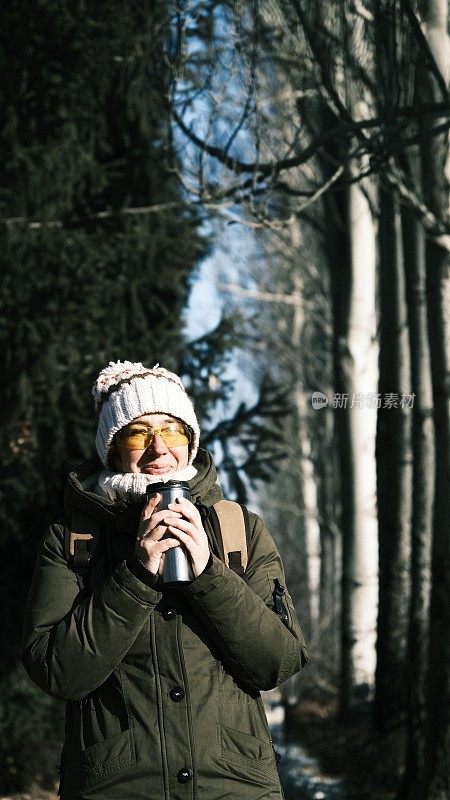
133	485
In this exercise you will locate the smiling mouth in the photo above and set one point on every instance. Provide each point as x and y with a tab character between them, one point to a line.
156	468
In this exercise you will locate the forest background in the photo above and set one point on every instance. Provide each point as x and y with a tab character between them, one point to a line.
303	149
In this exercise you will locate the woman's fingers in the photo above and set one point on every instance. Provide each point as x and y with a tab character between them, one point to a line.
150	506
181	524
190	521
191	534
188	510
198	551
183	537
151	552
155	525
166	544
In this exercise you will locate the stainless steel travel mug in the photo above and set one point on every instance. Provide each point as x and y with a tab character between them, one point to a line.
177	566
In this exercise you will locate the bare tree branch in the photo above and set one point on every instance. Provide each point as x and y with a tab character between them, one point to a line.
255	294
434	227
340	130
425	47
106	214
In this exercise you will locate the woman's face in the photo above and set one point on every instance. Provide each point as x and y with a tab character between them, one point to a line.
157	458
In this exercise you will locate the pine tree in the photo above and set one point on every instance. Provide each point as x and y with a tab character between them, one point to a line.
91	271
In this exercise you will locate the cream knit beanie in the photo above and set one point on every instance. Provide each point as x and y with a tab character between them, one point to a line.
124	391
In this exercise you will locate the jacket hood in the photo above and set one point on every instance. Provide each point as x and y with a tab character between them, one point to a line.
204	486
80	495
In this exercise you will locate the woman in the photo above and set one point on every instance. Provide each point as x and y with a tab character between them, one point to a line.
162	684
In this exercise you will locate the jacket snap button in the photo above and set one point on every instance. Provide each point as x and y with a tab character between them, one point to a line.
169	613
176	694
185	775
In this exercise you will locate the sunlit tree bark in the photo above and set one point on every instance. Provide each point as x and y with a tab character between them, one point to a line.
357	356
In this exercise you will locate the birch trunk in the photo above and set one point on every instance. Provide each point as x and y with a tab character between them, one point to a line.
304	485
394	472
312	531
358	374
423	501
306	467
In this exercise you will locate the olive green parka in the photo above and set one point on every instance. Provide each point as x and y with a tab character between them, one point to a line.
162	686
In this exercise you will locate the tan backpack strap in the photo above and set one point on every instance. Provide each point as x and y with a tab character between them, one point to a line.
81	539
233	531
75	537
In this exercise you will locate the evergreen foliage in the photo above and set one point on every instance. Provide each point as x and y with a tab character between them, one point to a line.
83	278
31	732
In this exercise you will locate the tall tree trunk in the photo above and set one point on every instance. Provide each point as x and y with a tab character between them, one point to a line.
423	502
312	530
358	377
394	473
436	179
438	728
358	351
305	464
330	567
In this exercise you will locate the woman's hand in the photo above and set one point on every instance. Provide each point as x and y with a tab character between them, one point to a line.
150	545
187	527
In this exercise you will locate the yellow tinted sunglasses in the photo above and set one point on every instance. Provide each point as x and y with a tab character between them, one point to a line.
138	436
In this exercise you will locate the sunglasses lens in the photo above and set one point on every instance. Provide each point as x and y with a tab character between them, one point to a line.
139	437
136	441
174	436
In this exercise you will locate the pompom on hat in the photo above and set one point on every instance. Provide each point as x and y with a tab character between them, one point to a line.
124	391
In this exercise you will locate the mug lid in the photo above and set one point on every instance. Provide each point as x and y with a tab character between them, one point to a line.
153	488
